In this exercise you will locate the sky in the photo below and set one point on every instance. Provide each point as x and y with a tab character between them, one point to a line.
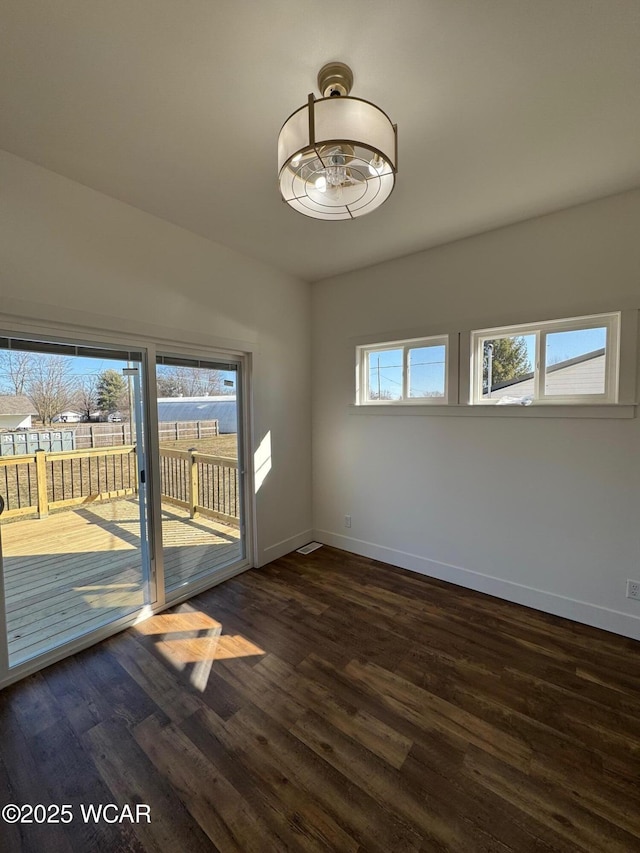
562	346
427	363
426	371
80	366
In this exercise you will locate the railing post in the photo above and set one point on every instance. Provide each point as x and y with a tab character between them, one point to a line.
41	479
193	484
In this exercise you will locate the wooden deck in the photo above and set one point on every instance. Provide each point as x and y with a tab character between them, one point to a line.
74	571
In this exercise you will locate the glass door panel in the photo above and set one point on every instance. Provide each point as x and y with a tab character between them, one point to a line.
72	478
199	425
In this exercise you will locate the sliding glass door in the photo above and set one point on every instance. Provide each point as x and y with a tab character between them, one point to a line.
199	434
73	481
114	497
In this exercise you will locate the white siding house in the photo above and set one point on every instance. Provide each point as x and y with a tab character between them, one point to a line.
582	375
67	417
16	411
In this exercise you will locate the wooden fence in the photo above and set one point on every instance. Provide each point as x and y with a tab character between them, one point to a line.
110	434
41	482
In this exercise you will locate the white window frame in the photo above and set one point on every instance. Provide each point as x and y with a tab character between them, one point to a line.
364	352
541	330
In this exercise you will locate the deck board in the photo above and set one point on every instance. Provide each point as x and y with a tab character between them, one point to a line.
77	570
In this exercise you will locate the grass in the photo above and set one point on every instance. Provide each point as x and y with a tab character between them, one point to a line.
76	477
218	445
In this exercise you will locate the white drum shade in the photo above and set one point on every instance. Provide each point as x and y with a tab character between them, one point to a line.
337	158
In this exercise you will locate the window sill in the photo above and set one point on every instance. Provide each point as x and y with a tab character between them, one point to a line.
618	410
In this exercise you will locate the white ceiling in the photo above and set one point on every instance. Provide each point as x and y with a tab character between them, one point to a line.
506	109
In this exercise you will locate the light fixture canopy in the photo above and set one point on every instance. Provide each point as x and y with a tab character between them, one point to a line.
337	155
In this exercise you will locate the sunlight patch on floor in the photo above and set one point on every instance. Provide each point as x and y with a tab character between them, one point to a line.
192	639
223	647
171	623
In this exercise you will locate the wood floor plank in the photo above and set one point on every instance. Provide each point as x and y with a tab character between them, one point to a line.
295	817
487	822
131	778
332	703
375	827
160	682
550	805
371	732
386	786
72	779
12	834
28	784
418	705
217	806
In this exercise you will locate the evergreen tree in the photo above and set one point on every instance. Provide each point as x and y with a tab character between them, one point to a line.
111	390
510	360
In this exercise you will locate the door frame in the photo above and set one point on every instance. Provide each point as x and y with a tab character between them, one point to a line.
4	644
246	505
149	345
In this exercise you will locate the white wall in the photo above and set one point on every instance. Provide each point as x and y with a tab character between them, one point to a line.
544	511
74	256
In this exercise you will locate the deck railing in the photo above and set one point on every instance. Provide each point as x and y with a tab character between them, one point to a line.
43	481
201	483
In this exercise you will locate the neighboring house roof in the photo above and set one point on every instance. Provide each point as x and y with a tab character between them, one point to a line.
222	409
583	374
12	404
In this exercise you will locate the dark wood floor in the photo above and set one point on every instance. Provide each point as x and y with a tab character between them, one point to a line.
333	703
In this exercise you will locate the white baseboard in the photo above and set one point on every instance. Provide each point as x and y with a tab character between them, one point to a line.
548	602
284	547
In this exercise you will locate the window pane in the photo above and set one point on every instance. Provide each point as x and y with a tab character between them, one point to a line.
385	374
201	492
507	367
575	362
426	371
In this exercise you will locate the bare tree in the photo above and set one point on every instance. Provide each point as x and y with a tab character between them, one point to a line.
16	368
50	386
85	395
190	382
383	394
168	384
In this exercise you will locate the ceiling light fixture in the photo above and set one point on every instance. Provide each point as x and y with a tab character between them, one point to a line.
337	156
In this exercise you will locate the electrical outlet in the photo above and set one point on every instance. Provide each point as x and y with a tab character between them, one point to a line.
347	523
633	589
